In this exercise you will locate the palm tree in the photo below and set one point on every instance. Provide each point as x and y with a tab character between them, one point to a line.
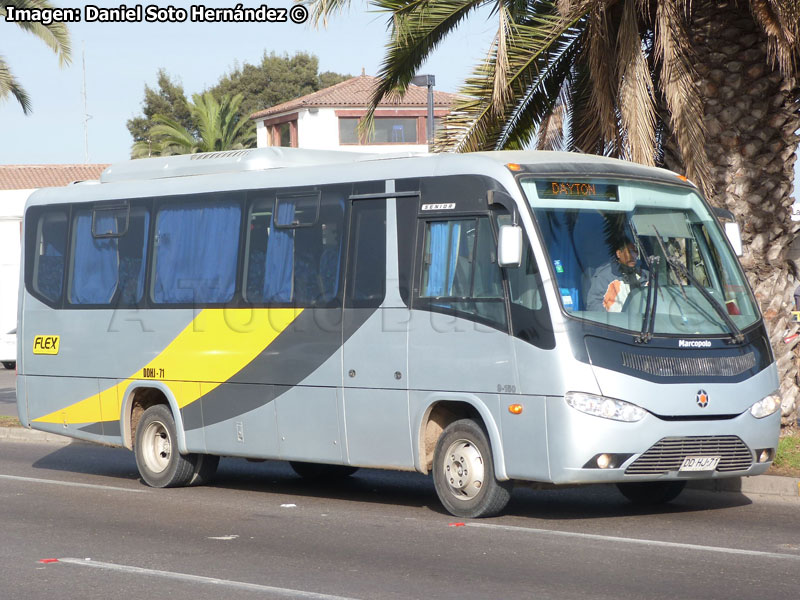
711	89
220	126
55	35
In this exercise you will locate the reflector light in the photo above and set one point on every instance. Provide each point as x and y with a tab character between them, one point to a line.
515	409
513	167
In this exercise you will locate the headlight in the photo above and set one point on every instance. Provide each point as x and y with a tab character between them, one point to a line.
607	408
766	406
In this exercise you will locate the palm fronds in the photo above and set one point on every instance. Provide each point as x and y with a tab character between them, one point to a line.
55	35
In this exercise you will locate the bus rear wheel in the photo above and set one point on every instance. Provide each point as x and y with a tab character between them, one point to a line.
651	493
463	472
157	457
9	364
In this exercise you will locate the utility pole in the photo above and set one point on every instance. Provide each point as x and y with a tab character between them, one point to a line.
86	115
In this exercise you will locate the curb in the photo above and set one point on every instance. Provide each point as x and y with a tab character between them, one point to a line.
23	434
771	485
768	485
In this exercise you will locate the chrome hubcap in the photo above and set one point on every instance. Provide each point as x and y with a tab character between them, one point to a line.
156	447
464	469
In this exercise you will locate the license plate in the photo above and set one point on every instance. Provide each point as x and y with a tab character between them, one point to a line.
700	463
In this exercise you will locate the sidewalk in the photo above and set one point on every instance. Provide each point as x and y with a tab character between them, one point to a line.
766	485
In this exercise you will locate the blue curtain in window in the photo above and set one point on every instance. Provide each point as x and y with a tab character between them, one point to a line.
197	248
279	259
96	262
445	237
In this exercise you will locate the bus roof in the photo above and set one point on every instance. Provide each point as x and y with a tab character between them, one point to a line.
258	168
259	159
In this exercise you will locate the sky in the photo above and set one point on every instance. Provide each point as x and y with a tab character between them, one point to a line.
121	58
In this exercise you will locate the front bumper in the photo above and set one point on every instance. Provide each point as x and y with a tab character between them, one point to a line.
575	438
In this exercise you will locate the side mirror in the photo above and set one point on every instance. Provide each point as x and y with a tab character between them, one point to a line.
509	246
734	237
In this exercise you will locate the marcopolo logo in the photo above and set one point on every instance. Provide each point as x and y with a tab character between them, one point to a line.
702	398
694	343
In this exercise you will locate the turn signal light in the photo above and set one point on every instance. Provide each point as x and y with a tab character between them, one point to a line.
515	409
514	167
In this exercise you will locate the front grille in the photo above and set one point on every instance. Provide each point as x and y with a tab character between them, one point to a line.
668	454
679	366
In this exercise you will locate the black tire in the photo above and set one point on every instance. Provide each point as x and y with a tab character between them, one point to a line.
308	470
157	457
463	472
9	364
651	493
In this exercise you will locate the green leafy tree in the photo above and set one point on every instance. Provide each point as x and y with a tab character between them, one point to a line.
276	79
216	125
167	99
55	35
706	88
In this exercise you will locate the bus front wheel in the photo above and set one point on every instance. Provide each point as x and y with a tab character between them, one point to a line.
157	457
650	493
463	472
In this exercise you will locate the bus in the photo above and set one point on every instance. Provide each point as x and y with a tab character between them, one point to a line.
435	314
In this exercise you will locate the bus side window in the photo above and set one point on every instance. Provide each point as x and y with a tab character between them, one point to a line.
460	272
294	247
366	263
51	249
196	250
103	265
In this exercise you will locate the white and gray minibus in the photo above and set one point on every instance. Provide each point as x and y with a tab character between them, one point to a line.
489	318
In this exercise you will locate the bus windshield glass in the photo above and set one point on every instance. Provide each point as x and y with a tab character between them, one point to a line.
642	257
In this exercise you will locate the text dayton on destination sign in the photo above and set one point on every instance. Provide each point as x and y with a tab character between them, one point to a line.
153	13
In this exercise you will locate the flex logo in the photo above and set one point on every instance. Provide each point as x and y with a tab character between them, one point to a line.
46	344
702	399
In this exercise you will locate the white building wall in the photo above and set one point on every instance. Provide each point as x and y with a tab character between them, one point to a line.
319	129
12	205
261	135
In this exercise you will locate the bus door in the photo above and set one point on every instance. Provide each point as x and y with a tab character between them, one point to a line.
375	325
459	343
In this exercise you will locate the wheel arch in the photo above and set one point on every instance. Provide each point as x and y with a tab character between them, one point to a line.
138	397
438	412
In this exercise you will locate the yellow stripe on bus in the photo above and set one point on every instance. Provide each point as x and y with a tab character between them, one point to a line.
215	346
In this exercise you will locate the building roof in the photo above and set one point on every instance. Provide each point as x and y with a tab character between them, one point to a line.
25	177
357	92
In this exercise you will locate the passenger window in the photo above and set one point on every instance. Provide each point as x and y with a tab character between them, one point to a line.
196	251
366	268
294	255
104	266
51	247
459	270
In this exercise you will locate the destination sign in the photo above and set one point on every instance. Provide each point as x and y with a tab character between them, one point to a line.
576	190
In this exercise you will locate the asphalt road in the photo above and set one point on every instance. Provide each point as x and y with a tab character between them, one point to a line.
261	532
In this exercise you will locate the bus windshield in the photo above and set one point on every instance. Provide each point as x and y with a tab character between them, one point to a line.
641	257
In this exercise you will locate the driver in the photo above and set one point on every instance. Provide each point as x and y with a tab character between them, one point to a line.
612	282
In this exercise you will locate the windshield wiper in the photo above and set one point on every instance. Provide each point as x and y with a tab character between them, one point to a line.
649	317
736	334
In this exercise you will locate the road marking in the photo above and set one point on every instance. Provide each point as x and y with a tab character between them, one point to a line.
239	585
642	542
73	484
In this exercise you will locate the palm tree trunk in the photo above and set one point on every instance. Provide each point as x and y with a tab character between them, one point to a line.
752	114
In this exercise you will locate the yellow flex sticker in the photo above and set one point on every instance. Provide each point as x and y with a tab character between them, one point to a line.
46	344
